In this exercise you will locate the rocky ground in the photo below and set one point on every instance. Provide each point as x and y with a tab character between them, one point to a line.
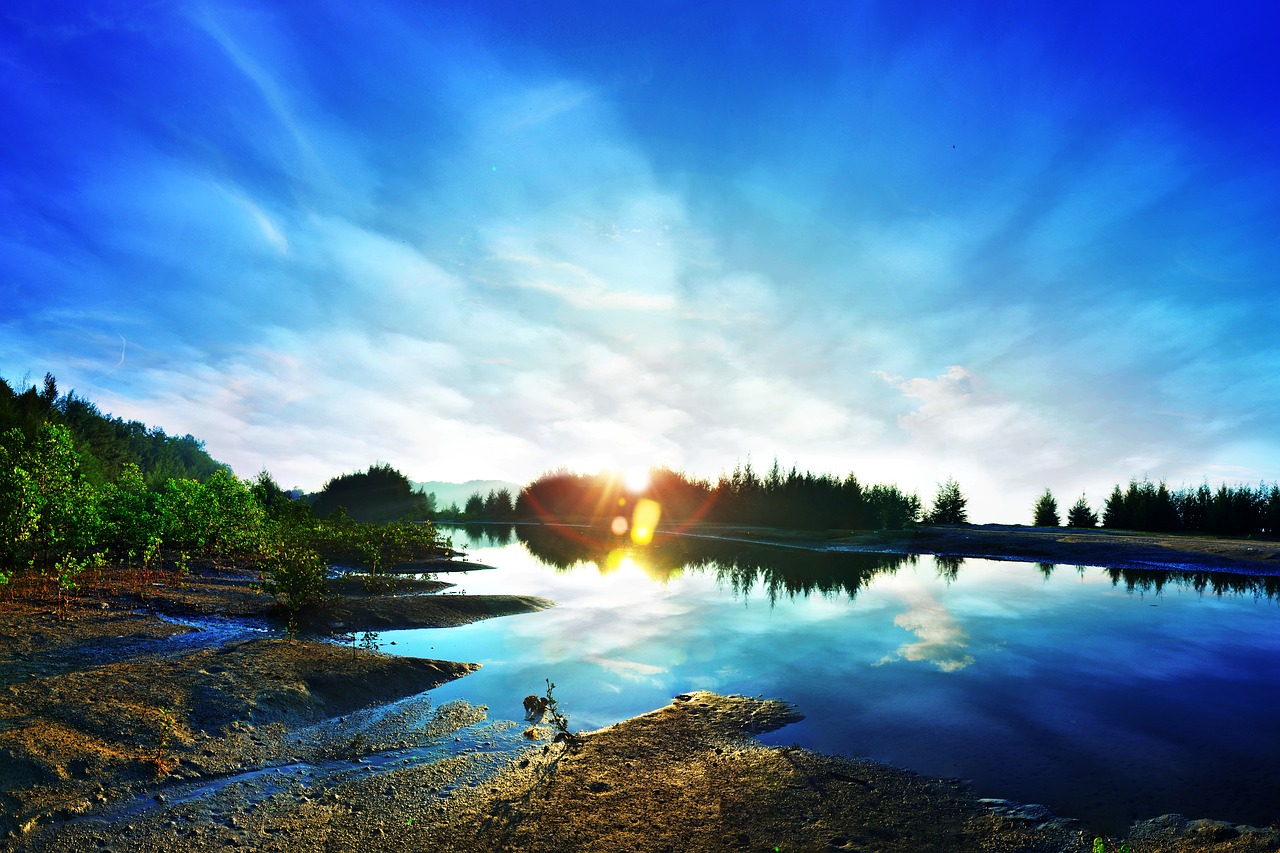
123	728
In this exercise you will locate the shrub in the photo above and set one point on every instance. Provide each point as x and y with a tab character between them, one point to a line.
296	575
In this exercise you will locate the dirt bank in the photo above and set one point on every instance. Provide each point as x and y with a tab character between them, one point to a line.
133	683
684	777
1069	546
1061	545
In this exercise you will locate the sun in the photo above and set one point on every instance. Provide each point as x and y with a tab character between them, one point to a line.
635	479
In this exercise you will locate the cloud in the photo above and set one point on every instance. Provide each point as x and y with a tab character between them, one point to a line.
403	235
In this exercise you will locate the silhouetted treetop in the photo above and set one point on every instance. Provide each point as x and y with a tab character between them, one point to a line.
1046	511
949	505
792	499
379	494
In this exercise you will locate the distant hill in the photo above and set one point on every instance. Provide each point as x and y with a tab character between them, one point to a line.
448	493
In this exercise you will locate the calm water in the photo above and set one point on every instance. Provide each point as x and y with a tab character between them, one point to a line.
1055	685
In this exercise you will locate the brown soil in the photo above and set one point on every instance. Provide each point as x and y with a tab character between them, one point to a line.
101	700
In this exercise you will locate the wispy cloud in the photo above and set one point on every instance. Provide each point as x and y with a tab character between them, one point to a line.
411	234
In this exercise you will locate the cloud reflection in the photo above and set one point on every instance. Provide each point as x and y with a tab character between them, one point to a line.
628	669
942	642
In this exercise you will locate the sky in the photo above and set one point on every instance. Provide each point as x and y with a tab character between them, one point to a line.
1024	245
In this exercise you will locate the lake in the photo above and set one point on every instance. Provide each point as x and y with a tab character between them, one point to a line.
1106	695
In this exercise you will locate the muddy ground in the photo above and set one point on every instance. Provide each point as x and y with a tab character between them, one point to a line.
122	728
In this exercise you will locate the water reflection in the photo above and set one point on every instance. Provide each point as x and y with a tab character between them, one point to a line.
942	642
743	568
1266	587
1036	682
485	534
780	570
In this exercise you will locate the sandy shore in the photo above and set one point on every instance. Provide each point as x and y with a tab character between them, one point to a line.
123	729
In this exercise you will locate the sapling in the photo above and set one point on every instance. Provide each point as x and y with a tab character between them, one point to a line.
559	719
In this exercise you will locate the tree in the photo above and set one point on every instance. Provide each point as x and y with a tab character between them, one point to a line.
892	508
949	505
1081	515
1046	511
380	494
1116	513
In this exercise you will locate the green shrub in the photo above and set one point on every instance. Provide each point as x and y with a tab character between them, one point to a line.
296	575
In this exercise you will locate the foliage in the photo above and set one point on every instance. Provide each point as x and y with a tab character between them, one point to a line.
219	515
47	510
1228	510
296	575
949	505
379	494
371	546
1046	511
1081	514
104	444
165	724
559	719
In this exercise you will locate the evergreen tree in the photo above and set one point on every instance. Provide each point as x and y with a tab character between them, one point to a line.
1081	515
1115	514
949	505
1046	511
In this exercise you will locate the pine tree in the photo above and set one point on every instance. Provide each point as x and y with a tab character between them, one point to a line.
1046	511
949	505
1081	515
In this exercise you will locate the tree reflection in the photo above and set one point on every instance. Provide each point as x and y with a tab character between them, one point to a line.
1217	583
488	534
745	568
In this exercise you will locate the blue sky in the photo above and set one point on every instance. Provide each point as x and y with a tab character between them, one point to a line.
1021	244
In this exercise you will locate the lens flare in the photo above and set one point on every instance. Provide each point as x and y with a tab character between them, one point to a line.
644	521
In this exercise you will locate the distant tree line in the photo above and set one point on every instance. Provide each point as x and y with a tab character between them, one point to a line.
1228	510
496	505
791	499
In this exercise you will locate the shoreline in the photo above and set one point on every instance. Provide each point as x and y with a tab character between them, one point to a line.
97	709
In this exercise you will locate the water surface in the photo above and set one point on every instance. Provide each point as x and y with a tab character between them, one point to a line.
1108	696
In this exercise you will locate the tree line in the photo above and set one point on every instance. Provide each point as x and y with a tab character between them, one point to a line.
790	499
1228	510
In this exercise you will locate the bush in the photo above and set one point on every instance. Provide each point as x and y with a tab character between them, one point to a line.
296	575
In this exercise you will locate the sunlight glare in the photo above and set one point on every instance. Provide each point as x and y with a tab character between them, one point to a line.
635	479
644	521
